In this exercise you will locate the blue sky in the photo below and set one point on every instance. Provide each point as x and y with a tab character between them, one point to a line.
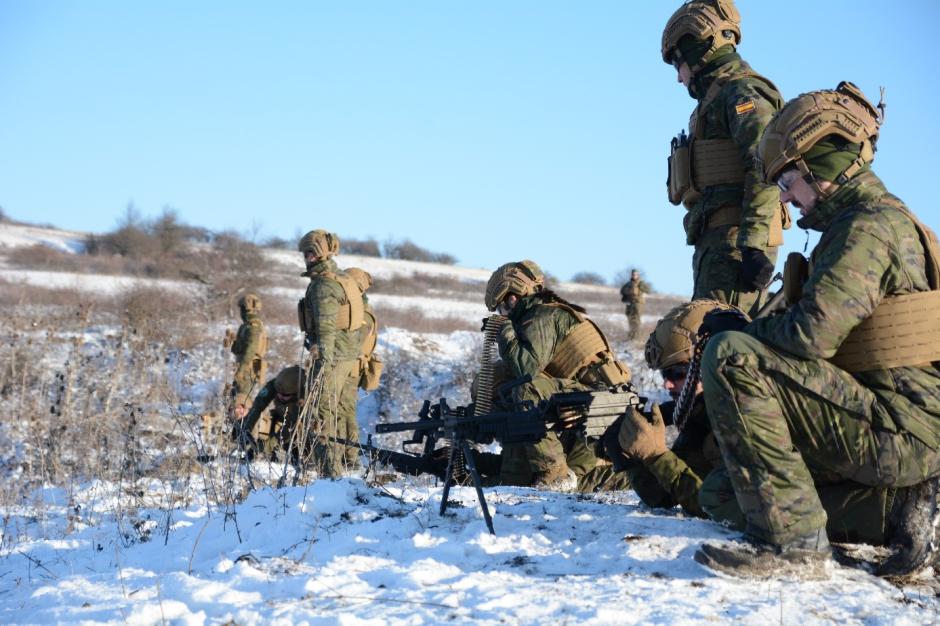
490	130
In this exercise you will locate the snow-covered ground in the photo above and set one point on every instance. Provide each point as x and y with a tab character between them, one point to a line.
353	551
345	552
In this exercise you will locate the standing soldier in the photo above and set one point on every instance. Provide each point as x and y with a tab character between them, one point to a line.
845	384
734	220
633	293
249	347
552	342
365	375
331	316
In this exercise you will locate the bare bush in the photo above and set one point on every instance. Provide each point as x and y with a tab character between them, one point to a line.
159	315
407	250
588	278
415	320
361	247
419	284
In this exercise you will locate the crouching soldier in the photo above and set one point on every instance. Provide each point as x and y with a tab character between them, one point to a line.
283	390
691	473
845	384
552	342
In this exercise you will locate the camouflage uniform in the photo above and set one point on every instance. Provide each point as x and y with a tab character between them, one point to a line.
338	350
282	417
787	419
526	345
633	293
734	220
692	474
729	218
251	342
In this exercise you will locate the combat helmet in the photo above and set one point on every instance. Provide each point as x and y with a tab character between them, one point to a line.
806	120
522	278
716	22
363	278
671	341
323	244
249	303
289	381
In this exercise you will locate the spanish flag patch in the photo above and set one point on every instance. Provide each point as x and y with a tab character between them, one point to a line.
745	107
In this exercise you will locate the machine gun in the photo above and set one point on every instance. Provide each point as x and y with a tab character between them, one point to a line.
586	412
403	462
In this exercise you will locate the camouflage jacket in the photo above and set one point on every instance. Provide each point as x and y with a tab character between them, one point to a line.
676	476
251	342
740	111
323	300
535	329
286	413
633	292
869	249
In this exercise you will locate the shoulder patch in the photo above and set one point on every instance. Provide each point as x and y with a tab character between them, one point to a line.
744	107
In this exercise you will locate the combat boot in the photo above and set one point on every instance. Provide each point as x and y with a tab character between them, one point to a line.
912	529
806	558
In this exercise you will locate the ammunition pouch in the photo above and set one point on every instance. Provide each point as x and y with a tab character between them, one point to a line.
370	366
370	372
679	177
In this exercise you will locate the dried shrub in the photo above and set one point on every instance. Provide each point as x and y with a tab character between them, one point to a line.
361	247
160	316
407	250
588	278
415	320
420	284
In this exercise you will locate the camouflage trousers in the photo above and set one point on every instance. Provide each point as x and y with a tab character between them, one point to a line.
716	267
855	513
787	425
329	457
634	311
347	425
549	459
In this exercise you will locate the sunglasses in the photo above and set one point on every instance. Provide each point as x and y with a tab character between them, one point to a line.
675	373
785	180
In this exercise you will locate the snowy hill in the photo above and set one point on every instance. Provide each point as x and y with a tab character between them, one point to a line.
107	382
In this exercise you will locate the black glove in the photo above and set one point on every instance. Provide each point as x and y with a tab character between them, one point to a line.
720	320
756	270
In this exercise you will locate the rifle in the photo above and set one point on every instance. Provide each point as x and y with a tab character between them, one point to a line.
588	412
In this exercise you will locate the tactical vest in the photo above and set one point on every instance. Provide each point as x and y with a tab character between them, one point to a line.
239	347
903	330
631	292
351	314
698	163
370	365
585	355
